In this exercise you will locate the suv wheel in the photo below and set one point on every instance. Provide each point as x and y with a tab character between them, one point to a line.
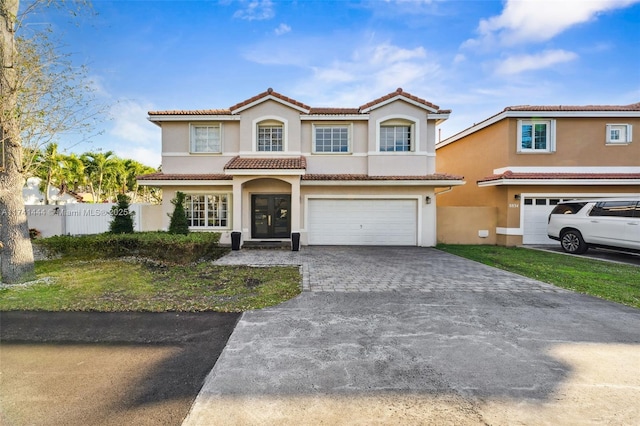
572	242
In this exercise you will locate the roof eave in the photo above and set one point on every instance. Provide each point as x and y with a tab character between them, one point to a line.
552	182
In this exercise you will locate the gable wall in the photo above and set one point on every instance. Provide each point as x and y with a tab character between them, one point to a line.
274	109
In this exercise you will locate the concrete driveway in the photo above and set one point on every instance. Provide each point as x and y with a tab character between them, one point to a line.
417	336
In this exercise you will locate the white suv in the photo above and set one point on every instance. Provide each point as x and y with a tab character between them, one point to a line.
608	223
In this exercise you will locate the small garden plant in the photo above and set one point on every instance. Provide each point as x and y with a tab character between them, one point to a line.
122	222
179	223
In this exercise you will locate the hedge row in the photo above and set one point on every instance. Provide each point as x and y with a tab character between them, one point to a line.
158	246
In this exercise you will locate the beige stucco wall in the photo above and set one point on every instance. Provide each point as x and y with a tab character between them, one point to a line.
151	217
176	157
336	164
467	225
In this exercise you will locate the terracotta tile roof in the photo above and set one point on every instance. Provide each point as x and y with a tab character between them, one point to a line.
239	163
559	176
353	177
314	110
400	92
552	108
192	112
269	92
176	176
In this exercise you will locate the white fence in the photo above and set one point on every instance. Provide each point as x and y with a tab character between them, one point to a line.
82	219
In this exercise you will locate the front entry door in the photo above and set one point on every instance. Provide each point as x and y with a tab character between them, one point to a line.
271	216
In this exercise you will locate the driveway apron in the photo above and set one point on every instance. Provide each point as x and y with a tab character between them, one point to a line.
389	335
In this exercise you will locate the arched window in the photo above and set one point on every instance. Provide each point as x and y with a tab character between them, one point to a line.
397	135
270	136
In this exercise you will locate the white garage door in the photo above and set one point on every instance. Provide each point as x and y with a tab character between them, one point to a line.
362	222
536	215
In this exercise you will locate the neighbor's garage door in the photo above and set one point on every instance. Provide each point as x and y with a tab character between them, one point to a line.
536	216
362	222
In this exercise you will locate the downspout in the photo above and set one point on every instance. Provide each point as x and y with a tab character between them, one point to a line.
444	192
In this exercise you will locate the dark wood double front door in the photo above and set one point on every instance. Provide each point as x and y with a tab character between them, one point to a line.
271	216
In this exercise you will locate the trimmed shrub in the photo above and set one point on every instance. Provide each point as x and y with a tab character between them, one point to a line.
159	246
179	223
122	222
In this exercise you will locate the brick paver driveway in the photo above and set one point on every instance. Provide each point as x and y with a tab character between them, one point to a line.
347	269
396	336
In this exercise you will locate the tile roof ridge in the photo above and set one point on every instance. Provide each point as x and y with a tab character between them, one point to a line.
399	92
269	92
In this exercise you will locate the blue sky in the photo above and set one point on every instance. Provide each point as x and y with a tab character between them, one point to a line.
474	57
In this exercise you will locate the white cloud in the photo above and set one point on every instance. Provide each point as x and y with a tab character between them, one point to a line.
370	72
282	29
459	58
520	63
147	156
130	123
524	21
255	10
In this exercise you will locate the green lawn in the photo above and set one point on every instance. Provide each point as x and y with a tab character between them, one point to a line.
611	281
120	285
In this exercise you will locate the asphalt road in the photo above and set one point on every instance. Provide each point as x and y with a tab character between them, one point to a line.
106	368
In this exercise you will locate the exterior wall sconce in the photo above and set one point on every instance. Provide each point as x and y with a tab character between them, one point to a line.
427	200
517	196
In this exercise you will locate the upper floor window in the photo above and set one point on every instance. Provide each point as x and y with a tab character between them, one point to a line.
618	133
270	137
536	135
396	136
206	138
331	138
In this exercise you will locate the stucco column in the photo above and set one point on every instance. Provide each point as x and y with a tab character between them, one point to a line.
237	205
295	204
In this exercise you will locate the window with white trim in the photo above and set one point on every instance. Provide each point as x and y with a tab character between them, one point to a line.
331	138
619	133
206	138
396	136
536	136
207	210
270	137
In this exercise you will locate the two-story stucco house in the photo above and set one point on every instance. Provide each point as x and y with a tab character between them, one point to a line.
525	159
271	167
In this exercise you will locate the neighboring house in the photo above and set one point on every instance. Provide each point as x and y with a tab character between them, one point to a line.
32	194
271	166
525	159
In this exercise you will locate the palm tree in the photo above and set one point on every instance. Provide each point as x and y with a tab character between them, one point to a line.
50	169
73	172
97	165
133	170
115	178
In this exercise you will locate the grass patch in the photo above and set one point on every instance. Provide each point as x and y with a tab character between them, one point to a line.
120	285
610	281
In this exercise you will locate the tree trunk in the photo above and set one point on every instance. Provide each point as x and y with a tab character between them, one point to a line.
16	263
